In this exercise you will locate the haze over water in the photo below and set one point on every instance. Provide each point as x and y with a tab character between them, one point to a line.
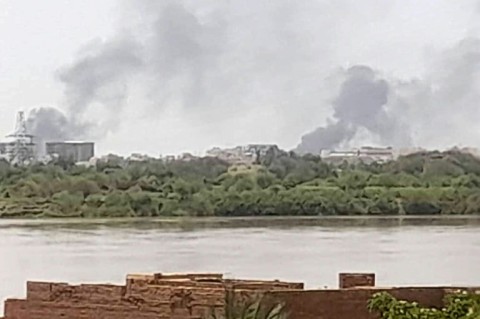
419	254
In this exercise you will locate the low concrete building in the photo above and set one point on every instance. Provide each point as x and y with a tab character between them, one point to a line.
236	155
242	154
71	150
364	154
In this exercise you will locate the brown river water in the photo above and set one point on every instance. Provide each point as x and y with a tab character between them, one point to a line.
409	251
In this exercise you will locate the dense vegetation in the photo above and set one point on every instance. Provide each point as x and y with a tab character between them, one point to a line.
278	184
458	305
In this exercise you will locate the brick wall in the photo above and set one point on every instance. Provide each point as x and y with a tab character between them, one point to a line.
349	303
195	296
143	296
348	280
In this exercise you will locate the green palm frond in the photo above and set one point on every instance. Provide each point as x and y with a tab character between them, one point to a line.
247	306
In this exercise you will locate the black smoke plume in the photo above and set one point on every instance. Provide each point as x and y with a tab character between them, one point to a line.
223	60
100	74
48	124
361	103
208	58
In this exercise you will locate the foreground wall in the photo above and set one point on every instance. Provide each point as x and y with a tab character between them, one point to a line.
143	297
350	303
203	295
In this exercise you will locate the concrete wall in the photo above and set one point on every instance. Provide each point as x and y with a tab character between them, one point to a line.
346	280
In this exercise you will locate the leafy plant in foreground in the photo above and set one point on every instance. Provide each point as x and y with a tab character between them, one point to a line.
249	307
459	305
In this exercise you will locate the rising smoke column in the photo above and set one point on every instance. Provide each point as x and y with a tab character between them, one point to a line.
361	103
444	105
101	74
48	124
207	59
169	53
244	59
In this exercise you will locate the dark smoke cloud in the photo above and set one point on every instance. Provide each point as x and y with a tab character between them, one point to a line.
325	138
53	125
170	53
444	100
48	124
101	74
206	57
361	103
218	61
183	55
444	105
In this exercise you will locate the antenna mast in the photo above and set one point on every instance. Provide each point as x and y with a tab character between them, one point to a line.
21	149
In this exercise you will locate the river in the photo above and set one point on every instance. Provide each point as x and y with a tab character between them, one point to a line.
401	252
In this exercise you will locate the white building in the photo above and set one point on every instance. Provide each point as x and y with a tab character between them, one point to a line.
247	154
365	154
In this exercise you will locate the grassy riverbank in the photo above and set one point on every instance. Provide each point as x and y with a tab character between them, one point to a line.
279	184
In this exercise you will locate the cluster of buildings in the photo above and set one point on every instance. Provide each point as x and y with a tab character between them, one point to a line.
22	148
248	154
368	154
364	154
239	155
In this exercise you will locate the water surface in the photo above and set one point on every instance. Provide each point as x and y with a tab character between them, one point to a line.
406	252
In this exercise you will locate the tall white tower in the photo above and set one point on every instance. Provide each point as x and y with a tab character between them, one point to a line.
20	148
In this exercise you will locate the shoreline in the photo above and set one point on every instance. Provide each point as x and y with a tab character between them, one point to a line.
254	221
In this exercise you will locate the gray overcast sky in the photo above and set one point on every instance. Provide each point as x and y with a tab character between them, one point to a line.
170	76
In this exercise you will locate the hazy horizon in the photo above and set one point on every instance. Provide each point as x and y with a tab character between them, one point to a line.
166	77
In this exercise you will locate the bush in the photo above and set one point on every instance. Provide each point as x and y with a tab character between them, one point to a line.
459	305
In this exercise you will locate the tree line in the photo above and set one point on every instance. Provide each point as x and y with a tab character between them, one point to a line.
277	184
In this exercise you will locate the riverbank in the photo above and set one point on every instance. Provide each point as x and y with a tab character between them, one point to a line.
245	222
279	185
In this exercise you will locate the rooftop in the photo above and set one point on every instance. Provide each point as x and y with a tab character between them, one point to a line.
69	142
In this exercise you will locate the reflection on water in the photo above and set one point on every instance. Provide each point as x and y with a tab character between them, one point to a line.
418	251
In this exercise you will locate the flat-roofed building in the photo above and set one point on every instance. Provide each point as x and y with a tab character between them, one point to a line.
76	151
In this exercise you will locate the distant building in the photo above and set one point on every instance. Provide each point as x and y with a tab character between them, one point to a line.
169	158
408	151
236	155
241	154
137	157
366	154
337	157
467	150
74	151
187	157
377	154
